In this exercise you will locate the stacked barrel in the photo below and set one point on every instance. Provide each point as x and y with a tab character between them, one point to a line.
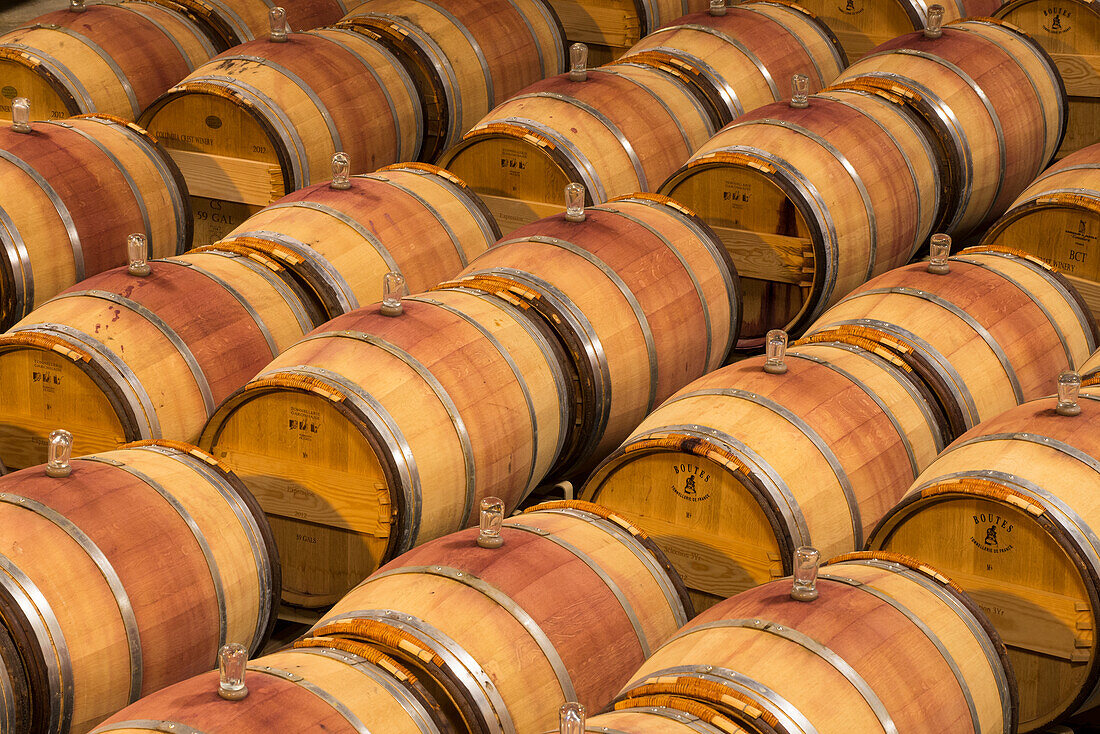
626	126
311	380
389	82
123	572
934	131
1055	218
826	656
58	178
1070	32
111	59
475	632
141	352
387	426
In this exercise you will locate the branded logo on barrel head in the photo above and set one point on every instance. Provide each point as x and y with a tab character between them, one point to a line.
992	533
10	92
213	122
1056	19
851	7
513	159
45	378
690	482
737	193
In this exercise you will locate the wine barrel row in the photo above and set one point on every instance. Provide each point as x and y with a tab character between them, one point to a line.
120	357
933	131
117	58
378	432
1003	511
627	126
611	346
122	574
745	464
390	82
259	154
266	115
480	639
447	620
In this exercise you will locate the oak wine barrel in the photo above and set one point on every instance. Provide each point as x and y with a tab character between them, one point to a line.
466	56
888	645
412	218
985	337
861	25
14	687
127	576
71	191
640	294
621	130
111	58
811	202
265	119
741	467
1069	30
118	358
229	23
374	434
570	605
1057	218
314	687
1091	368
610	27
744	59
665	715
1009	511
994	102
